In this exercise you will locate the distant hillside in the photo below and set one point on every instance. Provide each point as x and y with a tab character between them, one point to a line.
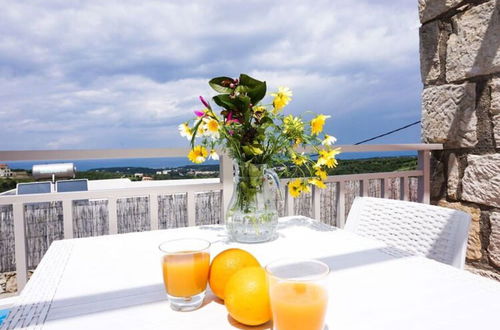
346	166
376	164
148	170
123	170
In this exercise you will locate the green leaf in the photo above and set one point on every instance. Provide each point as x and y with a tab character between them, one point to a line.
251	150
241	89
247	150
253	170
266	121
225	101
257	89
216	85
257	93
243	185
245	100
246	80
195	131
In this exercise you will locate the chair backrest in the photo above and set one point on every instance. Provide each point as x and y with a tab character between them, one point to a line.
431	231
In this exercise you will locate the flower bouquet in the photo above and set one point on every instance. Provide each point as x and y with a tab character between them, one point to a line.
259	137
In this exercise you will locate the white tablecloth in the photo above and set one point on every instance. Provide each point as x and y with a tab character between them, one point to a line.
115	282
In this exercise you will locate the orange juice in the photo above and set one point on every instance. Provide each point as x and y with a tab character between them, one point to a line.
185	274
298	306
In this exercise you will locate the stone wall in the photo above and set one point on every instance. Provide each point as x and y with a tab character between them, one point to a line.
460	67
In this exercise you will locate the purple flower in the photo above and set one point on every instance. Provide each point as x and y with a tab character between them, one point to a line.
205	103
230	119
199	113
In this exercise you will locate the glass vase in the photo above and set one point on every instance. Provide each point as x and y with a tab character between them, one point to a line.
252	215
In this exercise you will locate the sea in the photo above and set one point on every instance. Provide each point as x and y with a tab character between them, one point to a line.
171	162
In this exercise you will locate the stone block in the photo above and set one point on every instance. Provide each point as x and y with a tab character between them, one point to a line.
495	108
448	115
473	49
437	178
481	180
494	246
453	177
429	9
430	64
474	251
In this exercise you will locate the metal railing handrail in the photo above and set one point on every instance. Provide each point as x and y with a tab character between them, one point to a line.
78	154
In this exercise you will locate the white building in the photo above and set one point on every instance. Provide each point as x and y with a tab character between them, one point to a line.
5	171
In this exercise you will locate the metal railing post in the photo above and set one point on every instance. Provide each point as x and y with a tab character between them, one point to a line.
191	211
386	190
289	204
364	188
67	205
153	211
424	182
316	203
20	246
112	216
341	204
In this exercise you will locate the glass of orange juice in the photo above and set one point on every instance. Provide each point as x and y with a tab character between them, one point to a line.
298	293
185	264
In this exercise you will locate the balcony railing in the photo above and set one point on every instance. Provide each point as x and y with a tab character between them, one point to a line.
190	188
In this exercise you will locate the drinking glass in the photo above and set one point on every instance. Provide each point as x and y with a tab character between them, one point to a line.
185	264
298	293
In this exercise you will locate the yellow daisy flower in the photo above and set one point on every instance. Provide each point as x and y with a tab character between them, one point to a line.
321	174
186	131
328	140
213	155
305	187
198	154
281	98
259	111
318	183
317	124
295	187
327	157
293	125
298	142
212	128
202	129
299	159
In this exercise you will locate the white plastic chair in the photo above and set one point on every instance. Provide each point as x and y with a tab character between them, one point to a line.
420	229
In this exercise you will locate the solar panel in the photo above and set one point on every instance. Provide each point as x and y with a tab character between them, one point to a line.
72	185
34	188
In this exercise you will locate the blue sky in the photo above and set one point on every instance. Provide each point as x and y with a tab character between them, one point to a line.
124	74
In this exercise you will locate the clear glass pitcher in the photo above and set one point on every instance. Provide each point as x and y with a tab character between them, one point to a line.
252	215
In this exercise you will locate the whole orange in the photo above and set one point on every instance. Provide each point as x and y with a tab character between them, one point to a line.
225	264
247	296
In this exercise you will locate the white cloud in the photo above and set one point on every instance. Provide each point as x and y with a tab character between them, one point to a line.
124	73
63	142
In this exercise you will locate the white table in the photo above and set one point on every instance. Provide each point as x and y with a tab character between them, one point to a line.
115	282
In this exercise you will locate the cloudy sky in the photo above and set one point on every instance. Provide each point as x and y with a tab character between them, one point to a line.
124	74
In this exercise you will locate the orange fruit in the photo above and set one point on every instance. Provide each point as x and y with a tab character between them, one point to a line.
224	265
247	296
